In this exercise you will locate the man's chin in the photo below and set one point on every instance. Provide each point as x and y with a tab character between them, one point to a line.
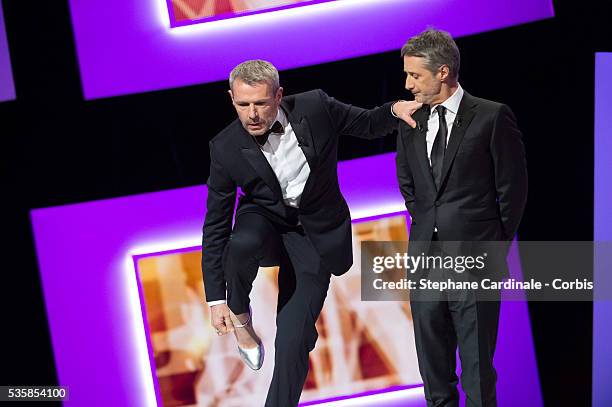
257	131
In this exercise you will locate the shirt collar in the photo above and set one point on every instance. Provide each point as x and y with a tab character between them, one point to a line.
453	102
281	116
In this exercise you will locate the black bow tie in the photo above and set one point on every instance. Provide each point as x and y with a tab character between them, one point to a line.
277	128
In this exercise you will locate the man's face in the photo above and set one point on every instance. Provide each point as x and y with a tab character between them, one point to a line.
424	85
257	106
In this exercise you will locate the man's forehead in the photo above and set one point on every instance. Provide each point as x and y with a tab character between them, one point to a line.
262	89
413	62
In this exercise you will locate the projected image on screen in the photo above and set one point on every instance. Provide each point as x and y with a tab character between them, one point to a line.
189	11
357	351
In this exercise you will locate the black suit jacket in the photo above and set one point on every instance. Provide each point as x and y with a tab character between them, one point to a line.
237	161
484	176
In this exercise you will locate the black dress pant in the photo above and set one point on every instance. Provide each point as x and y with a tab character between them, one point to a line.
303	282
443	321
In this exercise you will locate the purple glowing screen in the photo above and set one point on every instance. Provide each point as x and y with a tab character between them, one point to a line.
127	46
7	88
602	309
85	254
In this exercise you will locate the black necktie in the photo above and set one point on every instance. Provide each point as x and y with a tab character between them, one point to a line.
439	145
277	128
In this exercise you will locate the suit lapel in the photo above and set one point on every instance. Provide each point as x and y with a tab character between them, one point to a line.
420	143
302	131
253	154
465	114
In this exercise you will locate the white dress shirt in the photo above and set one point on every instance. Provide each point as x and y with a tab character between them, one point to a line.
288	163
433	123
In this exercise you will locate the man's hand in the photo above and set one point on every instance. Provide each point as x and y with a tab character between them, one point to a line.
404	110
220	319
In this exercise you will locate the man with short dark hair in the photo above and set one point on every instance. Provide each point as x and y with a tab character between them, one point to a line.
282	153
462	173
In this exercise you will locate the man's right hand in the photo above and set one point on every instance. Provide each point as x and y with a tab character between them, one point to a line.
405	109
220	319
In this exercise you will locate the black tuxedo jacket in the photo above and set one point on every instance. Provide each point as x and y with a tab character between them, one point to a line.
484	177
237	161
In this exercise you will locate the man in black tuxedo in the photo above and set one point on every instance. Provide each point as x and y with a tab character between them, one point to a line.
462	173
282	153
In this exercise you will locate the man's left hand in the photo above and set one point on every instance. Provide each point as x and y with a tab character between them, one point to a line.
405	109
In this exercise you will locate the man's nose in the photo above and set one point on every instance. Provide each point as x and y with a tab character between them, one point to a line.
252	112
409	83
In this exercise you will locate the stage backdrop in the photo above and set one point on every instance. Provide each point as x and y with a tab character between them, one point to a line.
129	46
362	346
602	306
117	346
7	88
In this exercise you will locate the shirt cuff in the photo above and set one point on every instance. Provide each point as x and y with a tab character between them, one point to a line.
217	302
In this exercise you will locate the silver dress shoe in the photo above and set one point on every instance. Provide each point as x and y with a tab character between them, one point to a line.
252	357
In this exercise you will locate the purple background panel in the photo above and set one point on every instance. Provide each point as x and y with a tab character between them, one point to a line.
85	255
7	87
126	46
602	310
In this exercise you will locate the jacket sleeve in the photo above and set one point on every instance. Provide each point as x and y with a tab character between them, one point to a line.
510	168
358	122
217	227
404	174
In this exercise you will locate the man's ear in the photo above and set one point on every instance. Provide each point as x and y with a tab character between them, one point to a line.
444	72
279	94
231	95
